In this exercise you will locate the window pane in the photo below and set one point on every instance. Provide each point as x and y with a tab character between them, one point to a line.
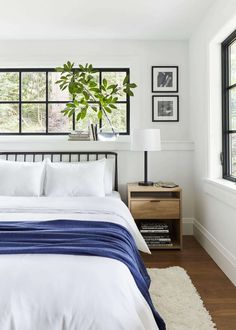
33	86
232	109
34	118
57	122
233	154
232	61
118	119
54	92
91	118
116	78
9	118
9	86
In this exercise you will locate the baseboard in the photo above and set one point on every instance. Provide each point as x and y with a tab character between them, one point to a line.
188	226
222	257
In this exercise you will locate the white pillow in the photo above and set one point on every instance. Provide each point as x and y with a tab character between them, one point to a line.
21	178
109	178
75	179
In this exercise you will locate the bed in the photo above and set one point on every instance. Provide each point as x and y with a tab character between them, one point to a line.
71	262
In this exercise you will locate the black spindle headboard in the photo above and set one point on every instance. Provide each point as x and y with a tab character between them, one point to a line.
62	156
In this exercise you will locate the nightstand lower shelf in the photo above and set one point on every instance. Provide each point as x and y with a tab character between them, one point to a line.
174	232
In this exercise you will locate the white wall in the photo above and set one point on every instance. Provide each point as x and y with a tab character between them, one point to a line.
175	162
215	224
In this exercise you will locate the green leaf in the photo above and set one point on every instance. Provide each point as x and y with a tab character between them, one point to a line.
65	111
86	95
71	112
126	80
78	116
100	114
132	85
96	90
107	109
130	93
92	84
112	106
94	109
59	69
82	101
104	82
112	86
68	64
83	113
72	87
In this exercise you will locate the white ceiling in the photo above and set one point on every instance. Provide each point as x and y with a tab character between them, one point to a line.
100	19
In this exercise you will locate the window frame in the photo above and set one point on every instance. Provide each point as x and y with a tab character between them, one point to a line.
47	102
226	87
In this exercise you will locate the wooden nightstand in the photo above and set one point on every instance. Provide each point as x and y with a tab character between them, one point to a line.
160	210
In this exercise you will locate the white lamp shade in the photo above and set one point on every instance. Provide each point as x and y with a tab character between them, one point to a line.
148	139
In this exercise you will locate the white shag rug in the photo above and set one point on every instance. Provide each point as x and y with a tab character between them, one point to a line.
177	300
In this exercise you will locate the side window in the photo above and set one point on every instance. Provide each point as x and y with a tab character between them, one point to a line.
229	107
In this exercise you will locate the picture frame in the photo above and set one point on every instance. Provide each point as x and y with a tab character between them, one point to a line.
165	108
165	79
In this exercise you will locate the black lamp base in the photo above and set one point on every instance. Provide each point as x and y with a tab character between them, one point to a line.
145	183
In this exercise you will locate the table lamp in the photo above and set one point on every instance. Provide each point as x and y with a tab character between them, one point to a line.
146	140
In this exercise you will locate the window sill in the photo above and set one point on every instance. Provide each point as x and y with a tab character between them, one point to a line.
223	190
61	143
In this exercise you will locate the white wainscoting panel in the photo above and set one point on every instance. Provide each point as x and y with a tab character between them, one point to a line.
224	258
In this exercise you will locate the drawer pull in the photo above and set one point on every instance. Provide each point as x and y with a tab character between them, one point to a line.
155	201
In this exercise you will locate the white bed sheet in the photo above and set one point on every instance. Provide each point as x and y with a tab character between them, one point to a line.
110	209
53	292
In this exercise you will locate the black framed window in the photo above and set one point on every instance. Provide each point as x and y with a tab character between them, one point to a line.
229	107
31	103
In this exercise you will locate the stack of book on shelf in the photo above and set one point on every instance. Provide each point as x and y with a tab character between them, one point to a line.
156	234
79	136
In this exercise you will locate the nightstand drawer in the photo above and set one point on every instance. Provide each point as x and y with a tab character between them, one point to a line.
155	209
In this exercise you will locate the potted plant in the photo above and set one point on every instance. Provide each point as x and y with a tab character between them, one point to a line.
84	88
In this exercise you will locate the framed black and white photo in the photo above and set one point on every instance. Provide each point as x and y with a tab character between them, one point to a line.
165	108
165	79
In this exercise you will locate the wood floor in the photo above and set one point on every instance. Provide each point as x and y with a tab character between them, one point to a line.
216	290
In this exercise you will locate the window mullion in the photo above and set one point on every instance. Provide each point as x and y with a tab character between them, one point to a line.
100	84
20	102
46	102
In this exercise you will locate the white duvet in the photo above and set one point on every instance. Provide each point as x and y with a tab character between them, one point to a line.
63	292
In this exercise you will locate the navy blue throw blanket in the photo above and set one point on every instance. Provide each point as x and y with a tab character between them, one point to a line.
96	238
